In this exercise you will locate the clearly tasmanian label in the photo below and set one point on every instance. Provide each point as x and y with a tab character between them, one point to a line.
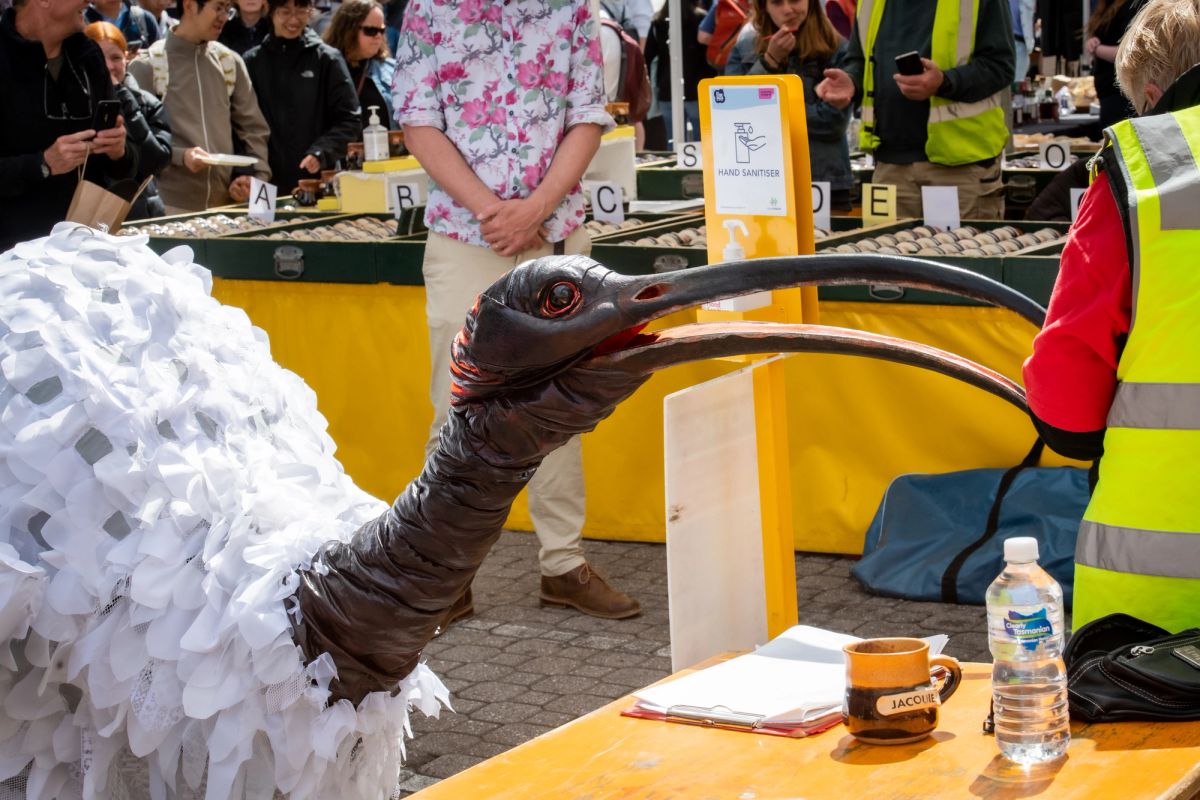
1028	629
891	704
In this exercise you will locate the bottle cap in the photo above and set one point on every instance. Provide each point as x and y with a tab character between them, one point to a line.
1021	549
374	118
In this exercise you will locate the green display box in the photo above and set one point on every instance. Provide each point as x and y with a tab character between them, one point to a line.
664	181
199	242
1032	272
616	252
248	256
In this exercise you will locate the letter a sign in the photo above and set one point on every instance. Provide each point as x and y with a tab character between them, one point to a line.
262	200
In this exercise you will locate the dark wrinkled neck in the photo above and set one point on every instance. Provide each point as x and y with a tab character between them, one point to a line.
374	602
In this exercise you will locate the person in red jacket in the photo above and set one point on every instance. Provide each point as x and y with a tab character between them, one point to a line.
1071	376
1113	375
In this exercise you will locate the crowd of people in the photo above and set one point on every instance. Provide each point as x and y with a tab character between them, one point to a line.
194	82
289	84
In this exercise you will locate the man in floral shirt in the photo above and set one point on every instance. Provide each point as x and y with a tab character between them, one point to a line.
503	105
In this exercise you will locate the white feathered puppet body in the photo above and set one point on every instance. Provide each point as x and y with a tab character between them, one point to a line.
163	481
195	600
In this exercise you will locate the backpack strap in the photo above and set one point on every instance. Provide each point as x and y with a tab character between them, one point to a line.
139	20
950	576
156	54
228	61
613	26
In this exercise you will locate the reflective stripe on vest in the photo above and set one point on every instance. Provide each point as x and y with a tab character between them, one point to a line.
870	13
958	133
1158	406
1165	553
1141	531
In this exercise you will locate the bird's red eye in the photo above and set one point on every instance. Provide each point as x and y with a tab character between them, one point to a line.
560	298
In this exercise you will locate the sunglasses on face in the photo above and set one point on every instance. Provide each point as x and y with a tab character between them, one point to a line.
371	30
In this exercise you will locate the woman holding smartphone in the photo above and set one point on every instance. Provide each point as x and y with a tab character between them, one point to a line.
795	37
146	128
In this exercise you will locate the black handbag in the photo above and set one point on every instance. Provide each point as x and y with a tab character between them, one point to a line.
1121	668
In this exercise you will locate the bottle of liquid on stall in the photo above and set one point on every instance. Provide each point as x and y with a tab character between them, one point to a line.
375	138
1029	679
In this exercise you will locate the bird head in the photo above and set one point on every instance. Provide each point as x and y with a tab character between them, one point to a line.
558	314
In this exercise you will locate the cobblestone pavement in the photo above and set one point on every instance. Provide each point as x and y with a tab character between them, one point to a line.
516	670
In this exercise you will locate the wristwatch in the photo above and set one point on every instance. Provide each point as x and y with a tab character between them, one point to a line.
45	168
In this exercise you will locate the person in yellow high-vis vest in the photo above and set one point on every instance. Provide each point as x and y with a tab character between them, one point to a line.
1115	372
947	125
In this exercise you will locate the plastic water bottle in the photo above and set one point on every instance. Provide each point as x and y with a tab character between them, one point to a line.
1029	679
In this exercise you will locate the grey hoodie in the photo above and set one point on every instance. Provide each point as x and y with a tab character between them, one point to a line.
208	97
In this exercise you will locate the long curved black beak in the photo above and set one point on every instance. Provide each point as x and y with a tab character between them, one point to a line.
645	298
661	349
652	296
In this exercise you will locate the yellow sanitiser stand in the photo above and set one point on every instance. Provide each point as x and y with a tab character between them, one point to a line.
757	172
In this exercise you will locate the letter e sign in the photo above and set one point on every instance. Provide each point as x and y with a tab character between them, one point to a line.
879	203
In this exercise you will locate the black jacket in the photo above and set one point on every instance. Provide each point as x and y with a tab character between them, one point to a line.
311	107
695	62
29	203
240	38
147	131
1053	204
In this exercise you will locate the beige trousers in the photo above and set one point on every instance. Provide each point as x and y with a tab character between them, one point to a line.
980	189
455	274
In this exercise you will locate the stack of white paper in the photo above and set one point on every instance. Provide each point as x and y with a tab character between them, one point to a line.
796	679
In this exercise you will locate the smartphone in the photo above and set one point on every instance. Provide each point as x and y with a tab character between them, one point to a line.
909	63
106	115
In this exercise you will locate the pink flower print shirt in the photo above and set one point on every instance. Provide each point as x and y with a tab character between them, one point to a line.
504	81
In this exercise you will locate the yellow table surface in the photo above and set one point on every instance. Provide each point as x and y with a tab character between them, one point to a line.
604	755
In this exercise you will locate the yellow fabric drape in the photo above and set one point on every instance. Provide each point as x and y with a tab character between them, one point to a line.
855	423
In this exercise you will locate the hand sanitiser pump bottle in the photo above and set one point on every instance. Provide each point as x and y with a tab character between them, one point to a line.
375	138
1029	679
735	252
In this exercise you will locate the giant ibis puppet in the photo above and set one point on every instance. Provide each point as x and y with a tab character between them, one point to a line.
195	600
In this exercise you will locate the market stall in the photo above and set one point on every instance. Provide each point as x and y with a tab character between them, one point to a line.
347	314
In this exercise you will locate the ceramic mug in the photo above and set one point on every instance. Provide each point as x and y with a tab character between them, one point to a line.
892	696
328	182
307	191
396	144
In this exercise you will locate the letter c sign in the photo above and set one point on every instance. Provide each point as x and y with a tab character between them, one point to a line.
608	201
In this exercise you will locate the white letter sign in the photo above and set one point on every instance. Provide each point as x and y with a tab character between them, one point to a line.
262	200
689	155
820	201
1055	155
939	205
608	203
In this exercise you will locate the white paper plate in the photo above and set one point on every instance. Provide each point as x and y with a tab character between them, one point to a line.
227	160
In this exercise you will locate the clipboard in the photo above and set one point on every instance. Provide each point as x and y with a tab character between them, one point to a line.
729	720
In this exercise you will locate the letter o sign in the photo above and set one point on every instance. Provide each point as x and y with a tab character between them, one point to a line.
1055	155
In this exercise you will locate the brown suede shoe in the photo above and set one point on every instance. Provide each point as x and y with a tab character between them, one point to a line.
464	606
586	591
